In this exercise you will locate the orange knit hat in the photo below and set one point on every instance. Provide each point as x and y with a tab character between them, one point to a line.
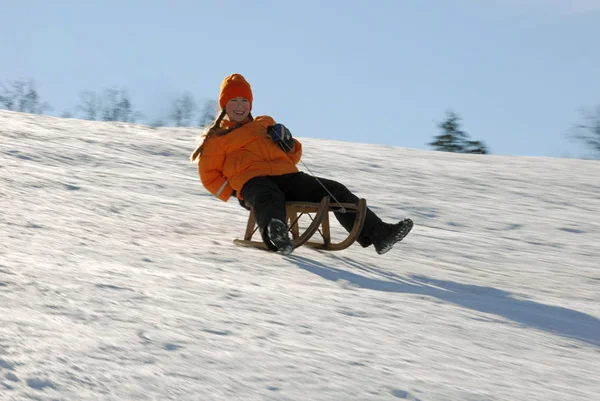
233	86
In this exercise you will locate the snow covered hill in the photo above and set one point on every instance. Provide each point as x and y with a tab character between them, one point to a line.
119	279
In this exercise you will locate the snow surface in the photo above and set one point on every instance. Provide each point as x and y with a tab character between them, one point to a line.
119	279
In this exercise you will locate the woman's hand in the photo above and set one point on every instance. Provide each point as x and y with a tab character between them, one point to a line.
281	136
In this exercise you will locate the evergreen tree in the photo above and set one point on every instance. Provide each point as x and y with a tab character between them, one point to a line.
453	139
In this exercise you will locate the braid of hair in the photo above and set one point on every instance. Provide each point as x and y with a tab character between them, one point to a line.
210	131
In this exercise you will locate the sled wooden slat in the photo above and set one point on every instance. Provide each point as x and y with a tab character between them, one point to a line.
327	245
250	226
295	210
326	232
254	244
320	209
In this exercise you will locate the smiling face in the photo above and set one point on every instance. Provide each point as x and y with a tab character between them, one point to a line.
237	109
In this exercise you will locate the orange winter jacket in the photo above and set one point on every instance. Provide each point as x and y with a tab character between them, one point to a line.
227	162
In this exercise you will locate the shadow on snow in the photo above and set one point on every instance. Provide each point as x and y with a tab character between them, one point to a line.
553	319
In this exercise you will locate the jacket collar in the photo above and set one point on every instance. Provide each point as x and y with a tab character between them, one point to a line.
227	124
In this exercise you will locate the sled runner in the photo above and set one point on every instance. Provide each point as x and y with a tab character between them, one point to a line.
319	216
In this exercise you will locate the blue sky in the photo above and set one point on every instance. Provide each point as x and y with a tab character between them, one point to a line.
384	72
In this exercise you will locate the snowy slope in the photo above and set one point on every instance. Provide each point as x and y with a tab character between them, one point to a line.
119	279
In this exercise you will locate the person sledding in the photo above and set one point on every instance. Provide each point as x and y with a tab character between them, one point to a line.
254	159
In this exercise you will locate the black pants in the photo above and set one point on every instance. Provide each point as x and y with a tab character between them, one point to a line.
268	194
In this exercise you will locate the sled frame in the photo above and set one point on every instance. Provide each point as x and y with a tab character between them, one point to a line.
319	214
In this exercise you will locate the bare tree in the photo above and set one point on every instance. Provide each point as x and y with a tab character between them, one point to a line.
7	100
110	110
90	105
209	113
588	131
183	110
113	105
116	105
22	96
158	123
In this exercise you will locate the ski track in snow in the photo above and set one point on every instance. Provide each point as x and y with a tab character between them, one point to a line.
119	279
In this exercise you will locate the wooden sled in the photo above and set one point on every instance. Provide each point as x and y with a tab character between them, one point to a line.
319	214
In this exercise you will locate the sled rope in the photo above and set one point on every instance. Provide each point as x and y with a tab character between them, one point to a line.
342	208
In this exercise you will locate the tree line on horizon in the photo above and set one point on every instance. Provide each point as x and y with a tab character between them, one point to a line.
115	104
111	104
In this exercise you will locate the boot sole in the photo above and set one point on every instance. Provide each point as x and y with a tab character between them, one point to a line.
398	237
278	234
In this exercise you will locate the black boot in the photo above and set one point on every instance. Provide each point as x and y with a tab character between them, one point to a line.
386	235
278	234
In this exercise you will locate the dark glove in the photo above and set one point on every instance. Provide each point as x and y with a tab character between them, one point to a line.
281	136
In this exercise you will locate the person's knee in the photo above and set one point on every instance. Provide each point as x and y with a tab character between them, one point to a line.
342	193
268	197
260	190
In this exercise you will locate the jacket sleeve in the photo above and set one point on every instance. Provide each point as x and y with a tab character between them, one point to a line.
265	121
296	153
210	169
